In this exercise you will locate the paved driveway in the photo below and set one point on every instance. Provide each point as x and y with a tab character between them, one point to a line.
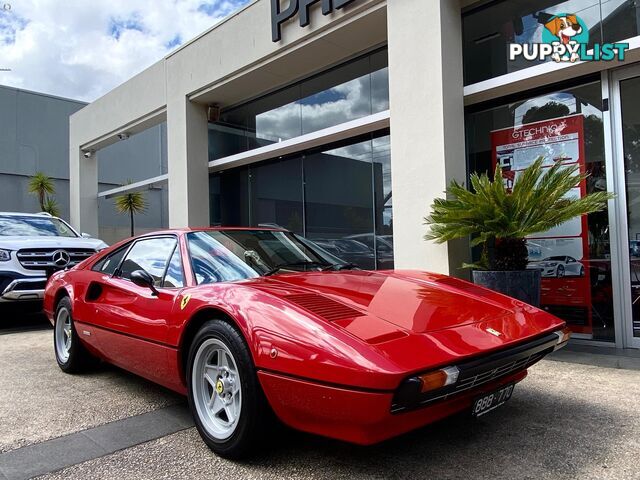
565	420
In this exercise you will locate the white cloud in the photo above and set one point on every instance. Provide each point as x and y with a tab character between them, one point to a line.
81	49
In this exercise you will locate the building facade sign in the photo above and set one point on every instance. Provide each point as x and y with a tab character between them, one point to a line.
280	15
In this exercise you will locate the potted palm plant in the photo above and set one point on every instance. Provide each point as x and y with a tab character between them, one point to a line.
500	219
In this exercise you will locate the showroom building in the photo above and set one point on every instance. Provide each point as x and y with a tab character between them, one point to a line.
342	120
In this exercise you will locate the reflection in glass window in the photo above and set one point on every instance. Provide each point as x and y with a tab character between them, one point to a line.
229	197
488	30
276	194
151	255
338	201
109	263
347	92
381	156
212	261
577	290
338	196
629	99
174	278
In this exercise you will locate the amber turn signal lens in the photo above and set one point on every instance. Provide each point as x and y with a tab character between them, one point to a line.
438	379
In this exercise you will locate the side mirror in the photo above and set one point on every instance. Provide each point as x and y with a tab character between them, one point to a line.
143	279
85	235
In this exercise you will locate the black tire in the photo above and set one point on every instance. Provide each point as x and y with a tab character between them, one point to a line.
79	359
560	271
254	410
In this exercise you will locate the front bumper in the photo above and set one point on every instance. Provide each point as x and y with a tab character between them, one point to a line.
22	288
359	417
366	417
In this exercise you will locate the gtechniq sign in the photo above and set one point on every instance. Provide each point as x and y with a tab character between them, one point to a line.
280	15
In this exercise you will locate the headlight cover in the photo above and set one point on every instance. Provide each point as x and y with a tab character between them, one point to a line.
5	255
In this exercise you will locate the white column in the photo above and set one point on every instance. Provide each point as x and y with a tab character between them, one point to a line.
427	124
83	194
188	164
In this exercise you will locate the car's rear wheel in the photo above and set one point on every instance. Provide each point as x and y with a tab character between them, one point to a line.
71	355
225	397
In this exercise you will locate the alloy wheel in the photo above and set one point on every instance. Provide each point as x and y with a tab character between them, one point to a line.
217	390
64	335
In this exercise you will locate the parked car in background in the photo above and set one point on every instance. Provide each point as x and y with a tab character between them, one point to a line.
32	247
252	323
558	267
382	243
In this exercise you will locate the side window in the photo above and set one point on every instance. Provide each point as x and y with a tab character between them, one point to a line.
150	255
174	278
109	263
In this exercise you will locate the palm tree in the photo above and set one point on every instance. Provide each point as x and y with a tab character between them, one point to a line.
51	207
495	216
131	203
41	185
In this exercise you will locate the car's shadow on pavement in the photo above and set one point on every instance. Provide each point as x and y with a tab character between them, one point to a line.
537	435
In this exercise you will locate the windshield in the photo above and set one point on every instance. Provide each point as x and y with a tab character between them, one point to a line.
554	259
224	256
26	226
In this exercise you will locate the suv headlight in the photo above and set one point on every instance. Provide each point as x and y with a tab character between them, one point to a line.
5	255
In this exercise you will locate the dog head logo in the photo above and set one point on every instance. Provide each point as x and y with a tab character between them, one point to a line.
565	29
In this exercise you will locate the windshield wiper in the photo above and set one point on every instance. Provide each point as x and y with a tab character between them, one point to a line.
340	266
305	263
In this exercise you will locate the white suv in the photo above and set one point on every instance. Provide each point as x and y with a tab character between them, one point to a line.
32	247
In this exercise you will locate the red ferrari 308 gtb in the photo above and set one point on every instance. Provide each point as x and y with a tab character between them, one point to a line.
246	322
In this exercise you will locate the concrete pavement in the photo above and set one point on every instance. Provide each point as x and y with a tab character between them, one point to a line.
565	421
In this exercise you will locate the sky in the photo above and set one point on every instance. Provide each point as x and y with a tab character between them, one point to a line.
81	49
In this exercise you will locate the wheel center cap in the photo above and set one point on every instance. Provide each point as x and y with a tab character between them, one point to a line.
219	387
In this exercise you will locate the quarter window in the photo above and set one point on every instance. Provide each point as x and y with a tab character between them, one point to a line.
109	263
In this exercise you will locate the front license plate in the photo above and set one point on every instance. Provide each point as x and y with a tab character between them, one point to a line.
491	401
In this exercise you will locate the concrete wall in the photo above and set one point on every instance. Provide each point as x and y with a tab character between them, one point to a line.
427	124
34	132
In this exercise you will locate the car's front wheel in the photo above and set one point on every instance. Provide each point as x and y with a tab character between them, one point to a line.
225	397
71	355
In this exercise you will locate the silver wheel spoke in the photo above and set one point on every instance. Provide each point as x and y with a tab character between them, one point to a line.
222	359
211	379
231	416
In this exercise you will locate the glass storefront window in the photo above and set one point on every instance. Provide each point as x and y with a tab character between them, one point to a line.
338	196
575	258
354	90
276	194
629	99
339	201
489	29
229	198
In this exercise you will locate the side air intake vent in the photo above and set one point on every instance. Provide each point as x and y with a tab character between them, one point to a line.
323	307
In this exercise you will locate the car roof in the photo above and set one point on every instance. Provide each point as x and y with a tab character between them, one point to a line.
20	214
210	229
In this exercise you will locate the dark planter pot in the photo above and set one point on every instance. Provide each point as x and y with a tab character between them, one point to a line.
521	284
